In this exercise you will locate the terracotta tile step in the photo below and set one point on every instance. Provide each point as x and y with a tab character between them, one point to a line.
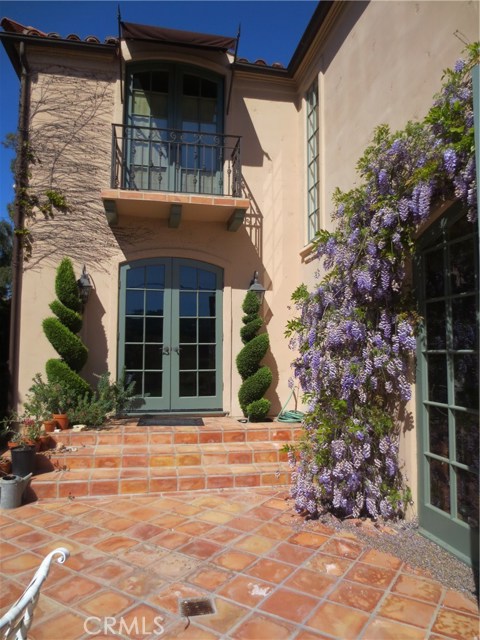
226	430
101	482
127	456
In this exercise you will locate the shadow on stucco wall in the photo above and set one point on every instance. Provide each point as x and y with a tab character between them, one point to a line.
94	336
253	222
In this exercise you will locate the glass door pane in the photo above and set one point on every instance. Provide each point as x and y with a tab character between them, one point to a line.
148	147
448	387
201	148
145	331
196	358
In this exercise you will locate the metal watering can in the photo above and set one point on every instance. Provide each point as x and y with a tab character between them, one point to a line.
11	490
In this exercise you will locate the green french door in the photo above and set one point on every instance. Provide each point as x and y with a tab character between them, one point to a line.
173	137
447	385
170	333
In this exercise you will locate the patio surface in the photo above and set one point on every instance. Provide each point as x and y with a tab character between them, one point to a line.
270	575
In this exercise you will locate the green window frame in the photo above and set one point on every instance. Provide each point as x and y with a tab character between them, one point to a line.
447	384
313	161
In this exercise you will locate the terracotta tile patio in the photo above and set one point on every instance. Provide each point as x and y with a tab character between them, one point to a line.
269	575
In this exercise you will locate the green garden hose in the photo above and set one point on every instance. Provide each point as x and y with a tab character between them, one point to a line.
289	416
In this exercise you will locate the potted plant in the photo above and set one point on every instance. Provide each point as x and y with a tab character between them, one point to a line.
49	425
46	441
31	431
49	402
61	420
16	430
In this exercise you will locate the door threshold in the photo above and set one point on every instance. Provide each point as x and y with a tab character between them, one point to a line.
179	414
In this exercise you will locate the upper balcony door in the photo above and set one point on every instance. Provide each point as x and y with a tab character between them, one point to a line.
174	117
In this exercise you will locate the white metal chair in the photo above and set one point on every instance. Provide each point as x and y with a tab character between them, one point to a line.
14	625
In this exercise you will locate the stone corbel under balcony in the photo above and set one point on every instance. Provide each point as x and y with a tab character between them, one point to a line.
174	207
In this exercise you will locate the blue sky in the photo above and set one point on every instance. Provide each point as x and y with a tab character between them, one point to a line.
270	30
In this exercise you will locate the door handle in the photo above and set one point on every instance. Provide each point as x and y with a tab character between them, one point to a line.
176	349
166	351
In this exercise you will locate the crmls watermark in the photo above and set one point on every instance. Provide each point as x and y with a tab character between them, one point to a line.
140	626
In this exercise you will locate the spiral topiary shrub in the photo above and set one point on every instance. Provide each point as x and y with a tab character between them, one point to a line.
256	379
61	329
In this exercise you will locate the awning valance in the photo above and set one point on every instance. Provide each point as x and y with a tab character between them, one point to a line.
131	31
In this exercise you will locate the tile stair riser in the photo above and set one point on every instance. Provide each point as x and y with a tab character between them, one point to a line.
57	487
90	457
177	436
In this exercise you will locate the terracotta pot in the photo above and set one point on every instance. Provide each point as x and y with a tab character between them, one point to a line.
5	467
49	425
46	442
34	443
62	420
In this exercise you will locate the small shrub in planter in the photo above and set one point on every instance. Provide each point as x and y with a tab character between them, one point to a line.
44	399
108	400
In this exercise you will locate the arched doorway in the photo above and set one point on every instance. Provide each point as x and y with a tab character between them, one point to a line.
447	384
170	333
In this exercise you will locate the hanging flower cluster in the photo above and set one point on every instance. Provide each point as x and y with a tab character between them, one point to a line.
356	332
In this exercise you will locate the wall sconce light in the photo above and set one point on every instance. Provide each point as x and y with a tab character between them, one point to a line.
84	285
257	288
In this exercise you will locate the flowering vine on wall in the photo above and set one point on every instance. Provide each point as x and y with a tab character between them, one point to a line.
355	334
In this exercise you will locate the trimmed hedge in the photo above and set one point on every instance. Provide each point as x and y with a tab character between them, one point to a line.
251	355
71	319
61	330
68	346
66	286
250	330
258	409
256	379
254	387
58	372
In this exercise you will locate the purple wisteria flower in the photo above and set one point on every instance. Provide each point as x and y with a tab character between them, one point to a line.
364	281
357	331
450	161
383	182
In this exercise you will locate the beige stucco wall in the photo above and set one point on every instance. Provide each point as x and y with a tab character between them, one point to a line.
71	115
379	62
265	113
258	113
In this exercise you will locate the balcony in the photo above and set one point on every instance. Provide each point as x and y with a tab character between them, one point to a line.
175	174
175	161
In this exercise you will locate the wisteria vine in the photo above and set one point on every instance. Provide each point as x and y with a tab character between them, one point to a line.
356	333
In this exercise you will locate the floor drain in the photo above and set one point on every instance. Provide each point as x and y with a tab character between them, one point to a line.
196	607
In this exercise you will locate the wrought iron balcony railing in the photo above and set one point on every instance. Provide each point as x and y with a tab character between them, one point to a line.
149	159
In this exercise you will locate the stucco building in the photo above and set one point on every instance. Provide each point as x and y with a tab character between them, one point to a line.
187	169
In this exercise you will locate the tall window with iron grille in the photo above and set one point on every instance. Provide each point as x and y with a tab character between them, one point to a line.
313	169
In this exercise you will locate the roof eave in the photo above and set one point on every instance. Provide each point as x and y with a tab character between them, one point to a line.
11	40
252	67
321	12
